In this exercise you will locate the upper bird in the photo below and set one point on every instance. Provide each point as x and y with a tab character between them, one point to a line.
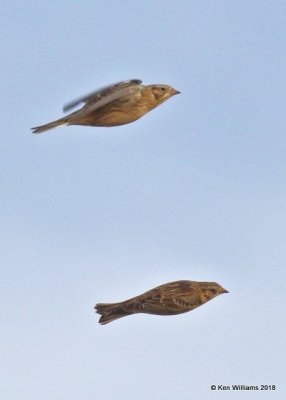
169	299
113	105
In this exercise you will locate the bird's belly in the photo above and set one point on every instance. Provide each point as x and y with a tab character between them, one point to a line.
111	117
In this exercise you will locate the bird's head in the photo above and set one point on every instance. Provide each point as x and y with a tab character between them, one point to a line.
212	289
163	92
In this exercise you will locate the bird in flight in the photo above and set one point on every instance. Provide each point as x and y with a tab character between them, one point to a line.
113	105
169	299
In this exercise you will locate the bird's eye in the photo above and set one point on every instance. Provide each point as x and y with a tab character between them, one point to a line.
163	89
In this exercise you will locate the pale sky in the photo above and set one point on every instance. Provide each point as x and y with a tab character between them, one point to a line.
194	190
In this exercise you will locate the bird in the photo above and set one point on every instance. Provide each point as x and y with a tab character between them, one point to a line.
169	299
118	104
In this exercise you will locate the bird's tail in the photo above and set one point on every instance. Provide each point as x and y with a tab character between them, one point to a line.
50	125
109	312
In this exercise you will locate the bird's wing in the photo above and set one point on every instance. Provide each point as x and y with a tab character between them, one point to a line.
180	294
105	95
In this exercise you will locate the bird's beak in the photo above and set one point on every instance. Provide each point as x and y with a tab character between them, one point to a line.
175	92
225	291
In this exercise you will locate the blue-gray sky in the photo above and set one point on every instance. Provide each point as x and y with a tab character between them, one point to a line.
193	190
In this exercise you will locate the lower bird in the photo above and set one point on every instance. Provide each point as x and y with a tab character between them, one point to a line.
169	299
113	105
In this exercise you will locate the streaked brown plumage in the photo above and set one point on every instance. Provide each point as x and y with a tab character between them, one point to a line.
113	105
169	299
